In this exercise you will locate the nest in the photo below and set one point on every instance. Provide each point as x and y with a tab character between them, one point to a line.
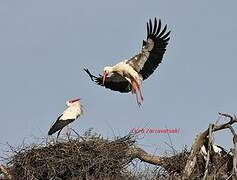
93	158
176	163
219	167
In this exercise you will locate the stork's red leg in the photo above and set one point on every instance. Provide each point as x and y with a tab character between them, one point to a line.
139	89
138	100
68	131
138	82
140	92
136	88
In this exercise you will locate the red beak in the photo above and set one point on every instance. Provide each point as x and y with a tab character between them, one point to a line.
74	100
104	78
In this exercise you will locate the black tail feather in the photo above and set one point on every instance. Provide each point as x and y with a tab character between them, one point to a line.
91	76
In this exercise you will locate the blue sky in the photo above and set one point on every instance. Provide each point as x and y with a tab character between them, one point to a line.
44	46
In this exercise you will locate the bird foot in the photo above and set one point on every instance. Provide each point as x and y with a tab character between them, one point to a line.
139	99
139	103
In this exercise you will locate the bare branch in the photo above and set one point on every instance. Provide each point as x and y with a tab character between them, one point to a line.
139	153
195	150
235	152
199	142
5	172
210	142
227	115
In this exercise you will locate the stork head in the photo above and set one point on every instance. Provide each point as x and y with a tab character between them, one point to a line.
107	71
72	101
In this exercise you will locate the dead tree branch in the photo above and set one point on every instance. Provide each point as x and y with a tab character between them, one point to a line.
95	154
139	153
200	140
5	172
210	142
235	152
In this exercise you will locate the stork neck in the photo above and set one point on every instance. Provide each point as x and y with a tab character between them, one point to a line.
111	69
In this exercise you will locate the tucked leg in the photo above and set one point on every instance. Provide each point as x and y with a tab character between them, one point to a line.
140	93
139	90
138	81
135	87
137	84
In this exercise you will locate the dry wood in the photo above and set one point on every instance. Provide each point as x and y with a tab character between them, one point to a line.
139	153
235	152
210	143
5	172
199	142
94	156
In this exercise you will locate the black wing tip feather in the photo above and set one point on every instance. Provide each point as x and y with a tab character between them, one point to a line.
155	31
58	125
51	132
54	128
160	38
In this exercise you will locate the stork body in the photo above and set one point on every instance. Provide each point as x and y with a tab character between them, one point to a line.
128	72
220	151
128	75
216	149
71	113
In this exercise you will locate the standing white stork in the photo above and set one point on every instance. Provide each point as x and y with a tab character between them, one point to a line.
128	74
73	111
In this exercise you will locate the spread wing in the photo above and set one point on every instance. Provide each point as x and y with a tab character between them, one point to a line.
115	82
153	50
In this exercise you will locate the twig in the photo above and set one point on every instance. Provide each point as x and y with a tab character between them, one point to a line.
171	144
4	170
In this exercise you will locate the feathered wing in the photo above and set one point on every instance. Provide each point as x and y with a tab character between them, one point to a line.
153	50
59	124
115	82
68	116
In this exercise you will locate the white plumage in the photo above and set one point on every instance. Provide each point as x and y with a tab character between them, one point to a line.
216	148
128	74
73	111
125	70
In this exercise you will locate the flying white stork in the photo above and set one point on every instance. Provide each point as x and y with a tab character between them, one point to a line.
128	74
73	111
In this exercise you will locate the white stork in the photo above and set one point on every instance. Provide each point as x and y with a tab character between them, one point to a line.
73	111
128	74
215	148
